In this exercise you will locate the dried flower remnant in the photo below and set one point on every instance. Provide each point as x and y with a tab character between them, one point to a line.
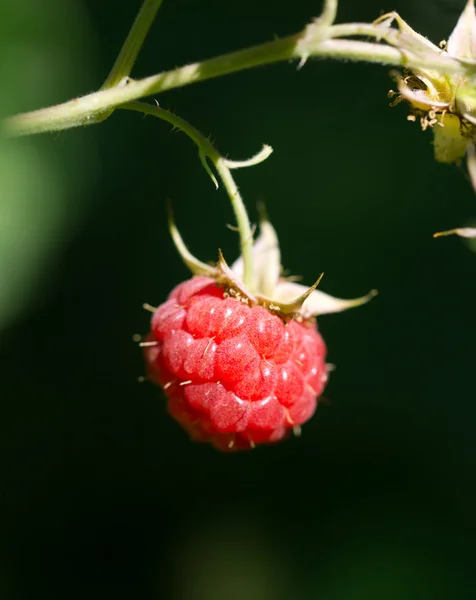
444	103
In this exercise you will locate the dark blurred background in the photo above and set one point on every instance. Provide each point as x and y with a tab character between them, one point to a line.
102	494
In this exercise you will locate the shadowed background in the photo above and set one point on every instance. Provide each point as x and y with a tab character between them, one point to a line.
102	494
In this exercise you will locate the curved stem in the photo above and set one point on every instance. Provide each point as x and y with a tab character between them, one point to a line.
133	44
207	149
202	142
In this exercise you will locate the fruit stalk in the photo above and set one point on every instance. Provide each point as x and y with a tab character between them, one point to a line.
223	167
130	49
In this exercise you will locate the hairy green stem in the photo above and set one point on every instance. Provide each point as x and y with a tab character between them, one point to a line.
133	44
97	106
207	150
243	223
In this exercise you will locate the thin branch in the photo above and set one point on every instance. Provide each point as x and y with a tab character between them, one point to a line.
125	61
97	106
329	12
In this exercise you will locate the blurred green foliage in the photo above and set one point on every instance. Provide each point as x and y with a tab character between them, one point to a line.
102	494
41	62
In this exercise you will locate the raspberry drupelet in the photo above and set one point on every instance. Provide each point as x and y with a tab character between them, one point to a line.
240	369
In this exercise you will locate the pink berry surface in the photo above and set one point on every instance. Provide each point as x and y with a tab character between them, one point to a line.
234	375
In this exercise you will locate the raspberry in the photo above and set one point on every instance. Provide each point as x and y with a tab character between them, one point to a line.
241	364
235	375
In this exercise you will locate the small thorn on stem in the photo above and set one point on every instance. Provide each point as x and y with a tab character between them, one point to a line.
302	62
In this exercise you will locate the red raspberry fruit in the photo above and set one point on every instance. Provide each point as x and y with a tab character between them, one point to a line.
234	375
240	364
